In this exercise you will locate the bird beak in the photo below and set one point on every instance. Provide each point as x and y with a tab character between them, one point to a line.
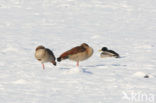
100	50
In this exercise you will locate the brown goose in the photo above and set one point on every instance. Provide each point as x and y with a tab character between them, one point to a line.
78	53
108	53
44	55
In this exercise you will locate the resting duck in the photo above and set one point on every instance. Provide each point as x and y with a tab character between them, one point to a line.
108	53
78	53
43	55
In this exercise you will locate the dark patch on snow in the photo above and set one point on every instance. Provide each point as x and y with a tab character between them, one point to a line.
86	71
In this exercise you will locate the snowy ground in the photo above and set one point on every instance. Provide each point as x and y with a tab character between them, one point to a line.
126	26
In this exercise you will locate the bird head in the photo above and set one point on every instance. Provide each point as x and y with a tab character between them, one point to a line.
103	49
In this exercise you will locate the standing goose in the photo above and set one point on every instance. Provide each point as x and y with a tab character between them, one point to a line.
108	53
78	53
43	55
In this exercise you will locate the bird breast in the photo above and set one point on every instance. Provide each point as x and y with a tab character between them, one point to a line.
107	54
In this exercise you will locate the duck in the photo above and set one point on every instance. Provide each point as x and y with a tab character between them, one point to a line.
108	53
44	55
77	54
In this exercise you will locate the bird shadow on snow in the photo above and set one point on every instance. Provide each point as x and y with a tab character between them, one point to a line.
104	65
118	65
97	65
77	69
86	71
65	68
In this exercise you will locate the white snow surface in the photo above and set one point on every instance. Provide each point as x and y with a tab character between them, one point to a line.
125	26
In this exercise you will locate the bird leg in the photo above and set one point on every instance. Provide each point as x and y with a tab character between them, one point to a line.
77	64
43	66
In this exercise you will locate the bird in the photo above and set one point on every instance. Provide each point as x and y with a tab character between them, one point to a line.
146	76
108	53
44	55
78	53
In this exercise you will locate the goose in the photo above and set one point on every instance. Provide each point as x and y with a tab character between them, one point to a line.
44	55
78	53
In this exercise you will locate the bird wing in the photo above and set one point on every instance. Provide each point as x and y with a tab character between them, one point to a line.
113	52
72	51
50	52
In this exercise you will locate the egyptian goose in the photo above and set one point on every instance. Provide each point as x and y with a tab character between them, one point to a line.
108	53
78	53
43	55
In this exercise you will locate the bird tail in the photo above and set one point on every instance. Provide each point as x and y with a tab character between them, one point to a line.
61	58
117	56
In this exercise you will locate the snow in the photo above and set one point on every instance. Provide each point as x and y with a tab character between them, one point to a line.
125	26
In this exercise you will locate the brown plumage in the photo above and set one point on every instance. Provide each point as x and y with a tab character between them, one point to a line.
43	55
78	53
